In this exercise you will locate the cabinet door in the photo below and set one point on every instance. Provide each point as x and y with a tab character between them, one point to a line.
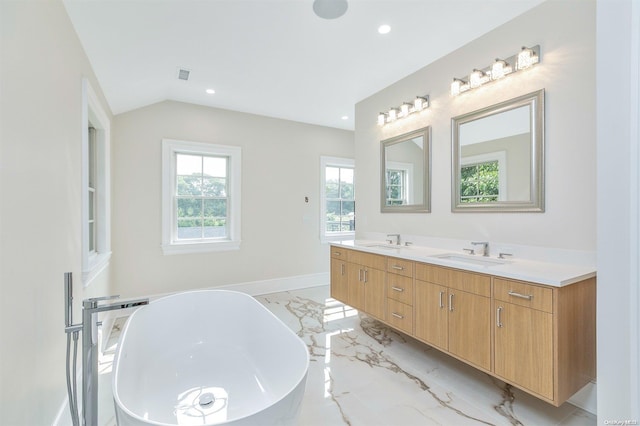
366	289
355	289
524	347
470	327
374	292
431	314
339	281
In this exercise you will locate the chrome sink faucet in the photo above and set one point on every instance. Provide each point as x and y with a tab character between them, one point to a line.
397	238
485	246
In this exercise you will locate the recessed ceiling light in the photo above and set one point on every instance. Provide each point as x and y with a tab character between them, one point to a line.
345	117
210	91
384	29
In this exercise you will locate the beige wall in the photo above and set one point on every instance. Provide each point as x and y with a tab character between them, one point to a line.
42	68
280	166
565	31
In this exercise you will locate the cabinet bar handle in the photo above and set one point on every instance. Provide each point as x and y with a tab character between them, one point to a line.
365	275
441	304
397	315
399	268
451	302
522	296
342	269
337	253
498	319
359	274
397	289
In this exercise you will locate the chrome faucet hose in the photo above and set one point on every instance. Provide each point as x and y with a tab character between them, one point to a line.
72	383
69	389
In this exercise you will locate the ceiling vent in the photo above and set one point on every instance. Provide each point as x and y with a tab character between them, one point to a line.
183	74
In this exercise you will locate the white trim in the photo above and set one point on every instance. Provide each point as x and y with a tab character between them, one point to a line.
501	158
256	288
92	112
252	288
170	245
408	178
199	247
586	398
338	162
634	201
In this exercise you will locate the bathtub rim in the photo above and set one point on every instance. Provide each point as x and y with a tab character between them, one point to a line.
116	357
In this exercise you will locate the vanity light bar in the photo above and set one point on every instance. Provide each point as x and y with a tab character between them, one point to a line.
524	59
406	109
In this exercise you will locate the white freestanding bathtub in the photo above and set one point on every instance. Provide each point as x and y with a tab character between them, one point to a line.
206	358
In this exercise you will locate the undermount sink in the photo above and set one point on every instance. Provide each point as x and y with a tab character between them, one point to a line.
474	260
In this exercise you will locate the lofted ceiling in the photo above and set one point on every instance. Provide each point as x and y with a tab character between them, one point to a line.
271	57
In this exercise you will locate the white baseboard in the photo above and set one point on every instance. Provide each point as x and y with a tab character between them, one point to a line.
586	398
256	288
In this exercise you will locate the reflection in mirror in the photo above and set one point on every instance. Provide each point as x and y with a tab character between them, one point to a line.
405	172
498	157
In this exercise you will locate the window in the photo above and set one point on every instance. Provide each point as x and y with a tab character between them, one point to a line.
91	189
398	183
483	178
479	183
201	197
396	187
337	205
96	220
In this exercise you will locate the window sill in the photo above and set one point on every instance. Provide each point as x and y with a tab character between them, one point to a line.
199	247
338	237
97	264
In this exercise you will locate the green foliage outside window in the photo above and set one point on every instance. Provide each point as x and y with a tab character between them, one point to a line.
340	202
201	204
396	190
480	183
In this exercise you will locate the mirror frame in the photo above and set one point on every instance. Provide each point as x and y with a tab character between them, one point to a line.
425	206
536	202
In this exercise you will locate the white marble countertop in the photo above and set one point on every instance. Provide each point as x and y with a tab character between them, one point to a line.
547	273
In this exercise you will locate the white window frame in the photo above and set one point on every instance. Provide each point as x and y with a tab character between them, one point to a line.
501	158
407	168
94	262
170	243
324	163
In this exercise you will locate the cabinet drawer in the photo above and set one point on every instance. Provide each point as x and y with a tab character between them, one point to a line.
338	252
523	294
400	288
400	315
400	266
432	274
471	283
374	261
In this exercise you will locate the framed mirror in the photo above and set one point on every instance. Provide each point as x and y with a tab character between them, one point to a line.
498	157
405	184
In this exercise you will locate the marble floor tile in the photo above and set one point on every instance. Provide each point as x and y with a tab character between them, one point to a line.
364	373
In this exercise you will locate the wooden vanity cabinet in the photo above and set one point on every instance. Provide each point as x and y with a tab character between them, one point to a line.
431	314
538	338
545	337
399	313
339	281
453	312
366	282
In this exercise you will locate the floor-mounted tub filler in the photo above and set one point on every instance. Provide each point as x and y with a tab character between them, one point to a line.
206	358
